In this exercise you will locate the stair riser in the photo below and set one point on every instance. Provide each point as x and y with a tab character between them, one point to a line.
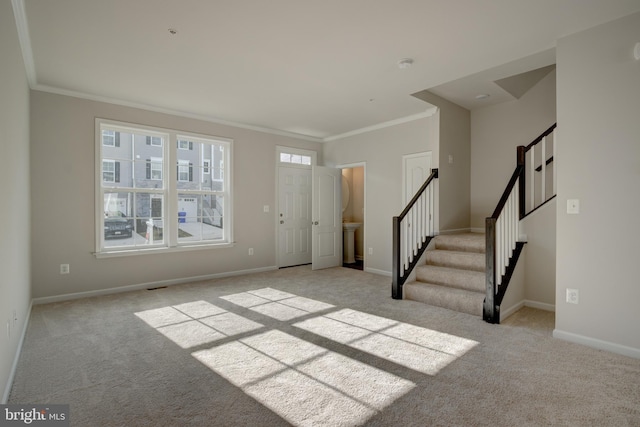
470	302
463	261
473	281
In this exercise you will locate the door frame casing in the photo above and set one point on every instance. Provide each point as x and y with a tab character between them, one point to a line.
364	217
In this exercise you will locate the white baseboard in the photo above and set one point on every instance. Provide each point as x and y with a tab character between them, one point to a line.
141	286
477	230
509	311
596	343
379	272
526	303
14	366
540	305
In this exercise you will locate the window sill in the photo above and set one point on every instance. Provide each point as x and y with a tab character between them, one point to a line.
160	250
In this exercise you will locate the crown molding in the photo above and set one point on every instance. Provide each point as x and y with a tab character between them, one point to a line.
25	41
428	113
147	107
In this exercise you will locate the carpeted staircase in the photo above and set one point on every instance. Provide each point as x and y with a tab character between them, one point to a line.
454	274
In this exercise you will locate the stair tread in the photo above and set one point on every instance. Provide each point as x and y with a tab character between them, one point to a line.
463	242
435	285
452	269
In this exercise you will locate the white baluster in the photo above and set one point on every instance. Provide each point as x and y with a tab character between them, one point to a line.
553	165
532	179
543	170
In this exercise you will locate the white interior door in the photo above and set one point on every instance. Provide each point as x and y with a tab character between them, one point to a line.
327	218
417	168
294	217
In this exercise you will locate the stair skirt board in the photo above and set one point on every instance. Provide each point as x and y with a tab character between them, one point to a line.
453	274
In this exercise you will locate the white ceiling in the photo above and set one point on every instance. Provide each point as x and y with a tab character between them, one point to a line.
315	68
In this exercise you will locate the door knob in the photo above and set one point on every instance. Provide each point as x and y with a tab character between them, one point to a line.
281	222
315	223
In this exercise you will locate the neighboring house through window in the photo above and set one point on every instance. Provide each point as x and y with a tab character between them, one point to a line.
143	203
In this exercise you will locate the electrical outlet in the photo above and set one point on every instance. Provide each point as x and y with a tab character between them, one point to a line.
250	251
370	251
572	296
64	268
265	208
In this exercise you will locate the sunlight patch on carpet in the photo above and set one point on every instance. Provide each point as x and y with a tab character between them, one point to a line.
304	383
196	323
420	349
277	304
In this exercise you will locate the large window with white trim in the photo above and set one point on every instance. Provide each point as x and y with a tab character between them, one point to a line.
160	189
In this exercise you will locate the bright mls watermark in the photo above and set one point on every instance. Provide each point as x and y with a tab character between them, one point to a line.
34	415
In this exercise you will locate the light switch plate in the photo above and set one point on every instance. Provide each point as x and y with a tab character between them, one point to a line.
573	206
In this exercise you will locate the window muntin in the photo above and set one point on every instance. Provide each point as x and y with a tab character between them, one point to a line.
143	204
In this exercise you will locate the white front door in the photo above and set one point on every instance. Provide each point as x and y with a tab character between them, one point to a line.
294	217
327	218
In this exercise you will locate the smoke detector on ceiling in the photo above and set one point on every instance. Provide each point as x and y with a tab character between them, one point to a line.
405	63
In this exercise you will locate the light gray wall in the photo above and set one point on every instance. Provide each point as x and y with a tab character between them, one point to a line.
496	131
382	150
454	178
63	171
540	257
599	149
14	193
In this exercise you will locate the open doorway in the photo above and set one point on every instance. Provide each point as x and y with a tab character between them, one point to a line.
353	215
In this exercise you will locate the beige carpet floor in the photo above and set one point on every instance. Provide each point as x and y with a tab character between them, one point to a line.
325	348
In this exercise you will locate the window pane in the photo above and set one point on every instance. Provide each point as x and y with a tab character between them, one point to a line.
150	214
148	162
199	217
306	160
296	158
119	223
285	157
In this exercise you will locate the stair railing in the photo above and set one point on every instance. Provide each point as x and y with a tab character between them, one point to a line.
413	229
502	231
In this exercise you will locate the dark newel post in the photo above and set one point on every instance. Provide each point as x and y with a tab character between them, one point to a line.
489	312
522	151
396	286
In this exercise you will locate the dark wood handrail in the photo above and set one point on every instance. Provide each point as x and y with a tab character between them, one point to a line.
414	200
538	139
507	191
